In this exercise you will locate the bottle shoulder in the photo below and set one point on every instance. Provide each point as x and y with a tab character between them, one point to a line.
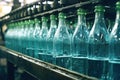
51	32
62	33
99	33
115	33
81	32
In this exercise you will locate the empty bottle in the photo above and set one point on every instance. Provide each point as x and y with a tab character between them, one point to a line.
42	40
62	44
50	37
12	37
7	36
18	36
98	46
24	37
36	37
30	39
114	51
79	42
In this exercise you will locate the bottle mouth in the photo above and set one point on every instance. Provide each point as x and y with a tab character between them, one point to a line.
61	15
36	20
81	11
44	19
53	17
99	8
118	5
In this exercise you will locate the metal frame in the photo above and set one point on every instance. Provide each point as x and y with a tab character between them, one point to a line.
10	17
37	68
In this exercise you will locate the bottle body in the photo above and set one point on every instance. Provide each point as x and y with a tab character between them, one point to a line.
43	43
79	55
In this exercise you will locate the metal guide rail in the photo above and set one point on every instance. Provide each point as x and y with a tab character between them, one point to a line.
40	69
23	13
18	14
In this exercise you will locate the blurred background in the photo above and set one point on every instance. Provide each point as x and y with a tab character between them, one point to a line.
6	5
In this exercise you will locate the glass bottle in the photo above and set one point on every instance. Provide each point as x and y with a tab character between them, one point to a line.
30	38
12	36
98	46
62	43
22	36
7	32
25	37
18	36
36	34
114	51
42	40
50	37
79	41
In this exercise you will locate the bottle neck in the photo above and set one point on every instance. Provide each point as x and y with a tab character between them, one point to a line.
118	15
81	19
53	23
37	25
99	15
44	24
61	22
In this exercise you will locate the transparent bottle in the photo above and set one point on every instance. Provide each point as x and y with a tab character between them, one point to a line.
8	36
114	51
79	41
36	38
30	38
98	46
11	38
25	37
62	43
19	36
50	37
42	40
15	37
